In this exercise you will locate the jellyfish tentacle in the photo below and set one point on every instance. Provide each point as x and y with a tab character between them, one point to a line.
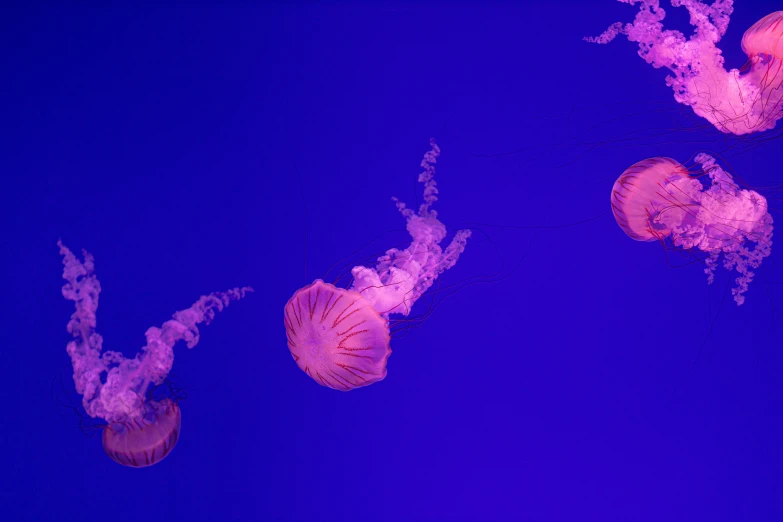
401	277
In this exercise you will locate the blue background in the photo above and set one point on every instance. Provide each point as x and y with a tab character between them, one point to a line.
193	150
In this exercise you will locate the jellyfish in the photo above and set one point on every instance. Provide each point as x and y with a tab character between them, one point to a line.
341	337
738	101
659	199
139	431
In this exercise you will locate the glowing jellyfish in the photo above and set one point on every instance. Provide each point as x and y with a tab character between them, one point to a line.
339	337
139	432
735	101
659	199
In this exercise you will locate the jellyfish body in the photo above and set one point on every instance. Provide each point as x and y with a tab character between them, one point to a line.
734	101
336	336
659	199
138	432
765	37
147	439
340	338
641	192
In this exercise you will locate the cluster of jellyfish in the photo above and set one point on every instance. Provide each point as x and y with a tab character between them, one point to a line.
703	209
339	337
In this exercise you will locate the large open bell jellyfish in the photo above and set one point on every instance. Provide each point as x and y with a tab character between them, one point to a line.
659	199
340	337
139	432
738	101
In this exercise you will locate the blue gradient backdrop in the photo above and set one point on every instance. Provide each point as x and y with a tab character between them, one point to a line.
585	385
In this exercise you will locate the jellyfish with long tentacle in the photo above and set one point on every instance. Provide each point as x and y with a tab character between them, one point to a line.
140	431
737	101
659	199
340	337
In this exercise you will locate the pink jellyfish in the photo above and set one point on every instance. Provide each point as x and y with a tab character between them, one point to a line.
659	199
341	338
735	101
139	432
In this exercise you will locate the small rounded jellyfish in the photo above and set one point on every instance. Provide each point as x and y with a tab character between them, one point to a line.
341	338
660	199
737	101
146	439
139	431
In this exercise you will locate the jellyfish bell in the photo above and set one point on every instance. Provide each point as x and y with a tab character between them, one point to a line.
765	37
140	438
763	74
336	336
341	337
696	210
642	192
145	439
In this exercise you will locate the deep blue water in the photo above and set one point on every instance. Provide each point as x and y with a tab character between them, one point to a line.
191	150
